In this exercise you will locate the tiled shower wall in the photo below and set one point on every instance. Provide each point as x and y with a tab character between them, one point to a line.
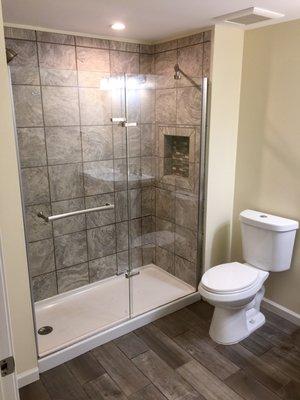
72	157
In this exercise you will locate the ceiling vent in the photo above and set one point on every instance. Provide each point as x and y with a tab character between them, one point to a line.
249	16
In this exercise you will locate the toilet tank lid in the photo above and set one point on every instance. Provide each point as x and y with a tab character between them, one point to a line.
268	221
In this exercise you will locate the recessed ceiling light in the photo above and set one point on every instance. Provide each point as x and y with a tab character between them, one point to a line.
118	26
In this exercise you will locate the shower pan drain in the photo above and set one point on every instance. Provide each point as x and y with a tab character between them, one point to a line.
45	330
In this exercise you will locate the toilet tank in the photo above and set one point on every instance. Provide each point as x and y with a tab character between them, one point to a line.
268	240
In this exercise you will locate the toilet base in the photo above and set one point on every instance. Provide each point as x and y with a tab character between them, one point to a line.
230	326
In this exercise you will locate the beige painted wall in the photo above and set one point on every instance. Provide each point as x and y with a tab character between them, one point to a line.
11	229
223	129
268	154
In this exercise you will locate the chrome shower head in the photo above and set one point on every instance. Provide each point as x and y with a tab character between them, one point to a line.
10	55
177	74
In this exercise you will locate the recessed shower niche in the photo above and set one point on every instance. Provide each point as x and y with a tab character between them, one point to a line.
177	156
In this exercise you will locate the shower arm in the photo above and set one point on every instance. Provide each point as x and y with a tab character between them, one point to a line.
51	218
176	76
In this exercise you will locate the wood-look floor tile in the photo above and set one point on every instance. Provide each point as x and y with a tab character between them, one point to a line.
291	391
283	324
163	346
131	345
295	336
85	368
256	344
264	372
206	383
203	309
35	390
104	388
164	378
214	361
172	325
148	393
62	385
274	335
120	368
285	360
249	388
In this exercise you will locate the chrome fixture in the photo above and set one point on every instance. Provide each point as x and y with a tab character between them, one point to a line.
51	218
123	122
177	70
10	55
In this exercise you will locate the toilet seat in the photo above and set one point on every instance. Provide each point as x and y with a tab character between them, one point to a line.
230	278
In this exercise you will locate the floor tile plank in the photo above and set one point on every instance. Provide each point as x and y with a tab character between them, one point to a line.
85	368
291	391
120	368
214	361
206	383
62	385
164	378
281	323
285	360
256	344
172	325
249	388
148	393
131	345
35	390
104	388
163	346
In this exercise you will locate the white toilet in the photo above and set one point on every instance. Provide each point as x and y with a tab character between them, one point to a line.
236	289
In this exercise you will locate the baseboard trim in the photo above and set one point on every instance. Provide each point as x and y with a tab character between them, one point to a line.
27	377
283	312
75	350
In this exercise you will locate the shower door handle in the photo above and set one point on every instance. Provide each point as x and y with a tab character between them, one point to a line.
129	124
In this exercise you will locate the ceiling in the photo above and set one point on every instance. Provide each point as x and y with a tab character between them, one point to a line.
145	20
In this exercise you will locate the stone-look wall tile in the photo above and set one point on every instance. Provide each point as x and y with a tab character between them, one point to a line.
135	229
119	140
58	77
121	208
60	106
190	40
122	236
147	64
147	171
28	106
63	145
66	181
35	185
135	203
98	177
186	271
148	254
92	79
37	228
44	286
136	257
124	63
72	277
133	103
165	234
147	48
166	106
41	257
148	230
103	268
165	204
101	241
134	141
32	149
206	59
165	46
56	56
95	106
99	218
164	259
134	167
19	33
70	249
148	201
164	69
52	37
207	35
185	243
69	224
97	143
85	41
186	210
92	60
147	99
122	262
188	105
120	175
147	139
190	60
24	67
124	46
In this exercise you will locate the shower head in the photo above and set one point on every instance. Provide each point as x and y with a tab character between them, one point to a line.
10	54
177	74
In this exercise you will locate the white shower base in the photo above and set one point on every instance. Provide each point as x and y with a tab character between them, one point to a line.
84	312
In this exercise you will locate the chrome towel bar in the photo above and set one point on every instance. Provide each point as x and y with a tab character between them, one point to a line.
51	218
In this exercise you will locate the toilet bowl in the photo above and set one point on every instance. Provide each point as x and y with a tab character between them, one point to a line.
236	289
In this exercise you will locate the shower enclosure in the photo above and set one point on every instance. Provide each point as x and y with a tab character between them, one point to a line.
112	177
